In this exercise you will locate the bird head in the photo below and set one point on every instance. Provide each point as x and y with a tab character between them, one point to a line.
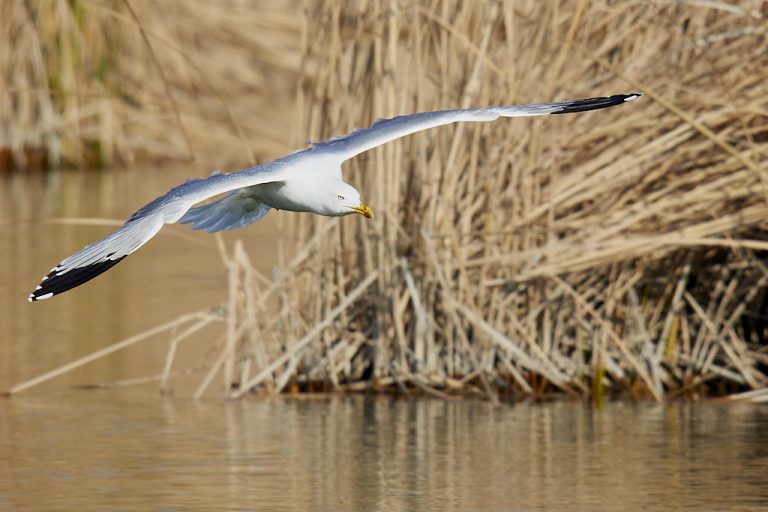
344	199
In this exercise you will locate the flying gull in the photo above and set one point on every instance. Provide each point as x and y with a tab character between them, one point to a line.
308	180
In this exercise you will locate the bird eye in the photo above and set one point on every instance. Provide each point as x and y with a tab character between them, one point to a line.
341	198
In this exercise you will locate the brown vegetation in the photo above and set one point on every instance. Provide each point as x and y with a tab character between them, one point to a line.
613	250
95	83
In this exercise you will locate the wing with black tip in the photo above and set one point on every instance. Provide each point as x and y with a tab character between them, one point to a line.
104	254
386	130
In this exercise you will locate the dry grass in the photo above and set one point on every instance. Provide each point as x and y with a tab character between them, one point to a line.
620	250
613	250
95	83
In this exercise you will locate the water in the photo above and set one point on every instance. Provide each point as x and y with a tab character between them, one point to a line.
177	272
127	451
132	449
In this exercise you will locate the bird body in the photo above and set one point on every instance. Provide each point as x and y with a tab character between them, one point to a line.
308	180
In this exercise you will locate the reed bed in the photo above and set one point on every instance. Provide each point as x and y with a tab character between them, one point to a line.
613	252
99	83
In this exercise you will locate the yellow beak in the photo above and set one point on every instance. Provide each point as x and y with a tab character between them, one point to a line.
364	211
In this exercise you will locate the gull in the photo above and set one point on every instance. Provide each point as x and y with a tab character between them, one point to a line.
308	180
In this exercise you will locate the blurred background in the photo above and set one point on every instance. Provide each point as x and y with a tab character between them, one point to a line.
610	254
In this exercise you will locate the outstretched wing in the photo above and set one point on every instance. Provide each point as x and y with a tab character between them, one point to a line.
236	210
97	257
386	130
102	255
145	223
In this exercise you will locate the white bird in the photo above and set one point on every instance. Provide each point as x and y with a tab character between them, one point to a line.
308	180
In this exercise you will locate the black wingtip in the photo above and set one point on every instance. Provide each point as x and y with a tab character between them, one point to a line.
57	282
597	103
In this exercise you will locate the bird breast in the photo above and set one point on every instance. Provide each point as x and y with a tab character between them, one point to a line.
294	196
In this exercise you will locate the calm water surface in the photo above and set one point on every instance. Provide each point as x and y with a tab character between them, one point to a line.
120	450
132	449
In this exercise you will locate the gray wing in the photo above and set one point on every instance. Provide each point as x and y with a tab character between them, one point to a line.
237	209
98	257
102	255
386	130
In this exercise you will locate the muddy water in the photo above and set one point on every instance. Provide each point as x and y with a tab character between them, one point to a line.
132	449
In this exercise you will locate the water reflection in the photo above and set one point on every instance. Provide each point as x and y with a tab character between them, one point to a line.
118	450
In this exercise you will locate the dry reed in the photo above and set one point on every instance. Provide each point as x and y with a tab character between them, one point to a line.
96	83
619	246
614	251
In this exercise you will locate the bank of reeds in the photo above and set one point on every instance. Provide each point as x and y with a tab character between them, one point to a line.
98	83
614	251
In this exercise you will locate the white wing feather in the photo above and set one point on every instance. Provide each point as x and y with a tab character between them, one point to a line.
103	254
386	130
237	209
